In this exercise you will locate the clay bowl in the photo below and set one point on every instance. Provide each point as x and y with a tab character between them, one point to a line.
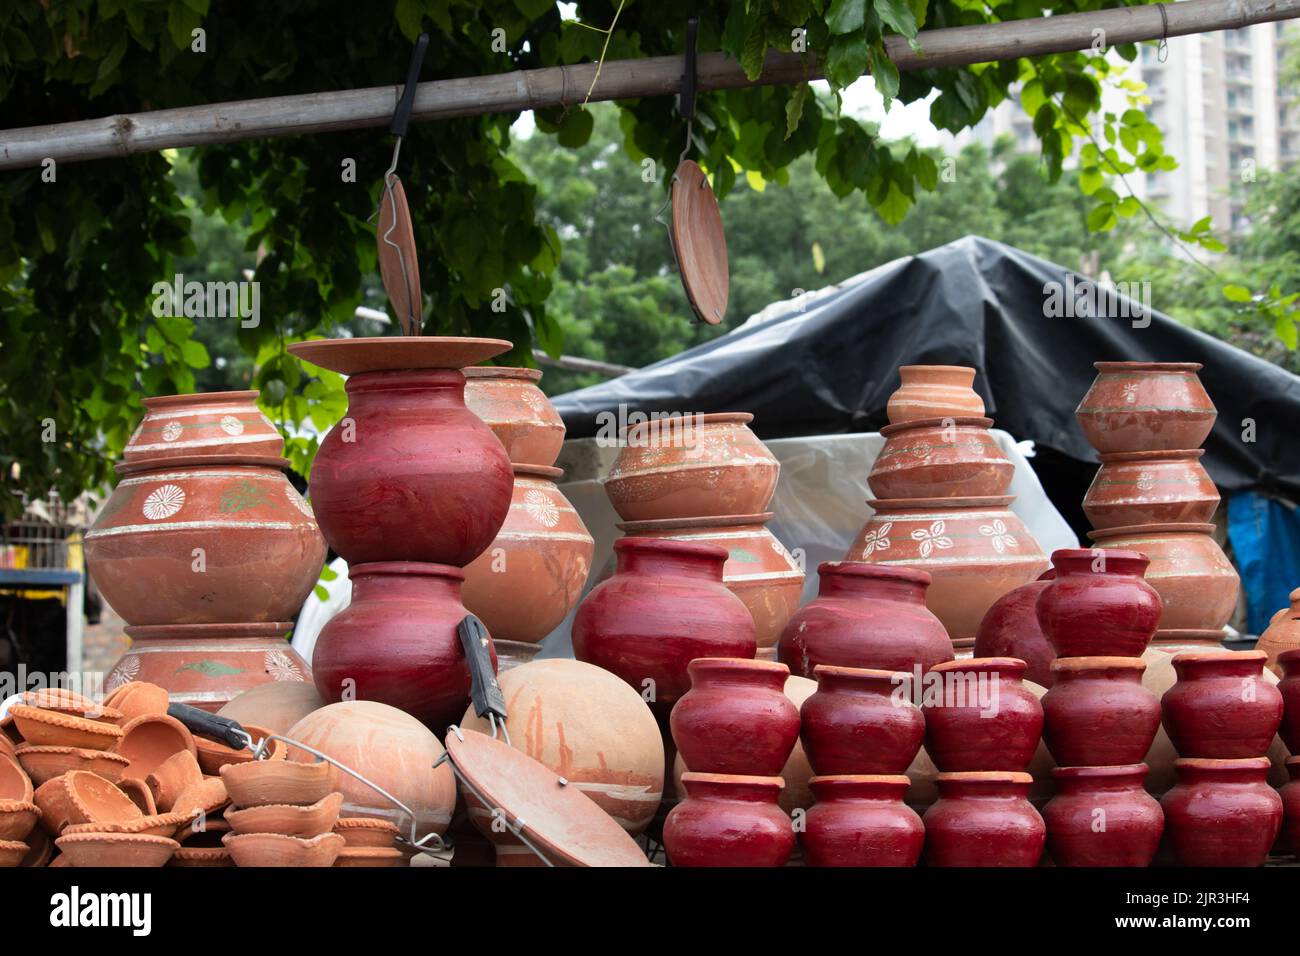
310	821
213	755
369	856
45	763
116	849
69	702
276	849
172	777
138	699
267	782
205	797
12	853
162	824
8	748
193	856
149	739
366	831
15	784
17	819
140	795
54	728
82	797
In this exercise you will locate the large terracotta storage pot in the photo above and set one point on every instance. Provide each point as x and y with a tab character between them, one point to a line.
934	391
1098	714
664	606
692	467
1101	816
1197	583
1098	604
1010	629
1150	487
861	821
975	550
1222	812
940	458
735	718
277	706
979	715
531	576
518	412
1221	706
728	821
1282	633
396	643
861	721
1145	406
1290	794
865	615
208	423
1289	687
205	540
983	819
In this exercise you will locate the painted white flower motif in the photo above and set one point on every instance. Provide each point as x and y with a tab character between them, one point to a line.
1130	393
163	502
921	450
932	538
534	401
975	447
1146	481
127	670
232	425
997	532
539	505
877	539
172	431
281	667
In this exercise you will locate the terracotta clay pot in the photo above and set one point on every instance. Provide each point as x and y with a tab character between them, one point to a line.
1150	487
865	615
1098	714
53	728
940	458
690	467
209	423
279	782
531	576
150	739
664	606
735	719
979	715
1222	812
138	792
288	819
1289	688
276	706
1010	629
1146	406
366	832
69	702
1290	794
15	784
18	818
511	404
134	698
1221	707
975	549
170	778
857	723
160	824
214	755
46	763
275	849
81	797
1282	633
1101	816
983	818
728	820
934	391
198	856
116	849
397	644
12	853
1098	604
861	821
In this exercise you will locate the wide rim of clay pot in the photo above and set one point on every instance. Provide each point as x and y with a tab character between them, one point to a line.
899	779
986	776
202	855
19	775
68	702
890	505
1148	366
1224	656
864	674
1175	527
1136	770
732	665
735	779
943	369
634	528
875	572
669	547
167	822
1000	665
111	733
135	723
209	631
549	472
398	353
504	372
124	840
199	462
1174	454
198	398
1224	765
405	569
288	848
1075	665
84	754
968	421
1122	557
79	784
255	819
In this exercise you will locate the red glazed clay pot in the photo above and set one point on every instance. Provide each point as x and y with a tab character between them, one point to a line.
940	458
1221	707
735	719
934	391
410	474
728	821
1101	816
983	819
519	414
980	715
1222	812
1098	605
664	606
396	643
1282	633
1098	714
1150	487
1289	688
1145	406
211	423
1290	794
861	821
865	615
1010	629
861	722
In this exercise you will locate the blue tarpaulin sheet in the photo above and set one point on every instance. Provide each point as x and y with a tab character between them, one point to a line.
1265	536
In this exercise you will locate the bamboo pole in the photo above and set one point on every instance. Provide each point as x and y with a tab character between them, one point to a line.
124	135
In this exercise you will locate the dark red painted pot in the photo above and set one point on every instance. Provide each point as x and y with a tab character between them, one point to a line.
396	643
1102	816
865	615
728	821
736	718
1010	629
861	721
1098	713
1290	795
983	819
1221	707
1222	812
979	715
410	474
1099	604
1289	688
664	606
861	821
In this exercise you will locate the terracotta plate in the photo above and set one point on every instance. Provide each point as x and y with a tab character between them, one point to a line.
699	243
394	353
561	820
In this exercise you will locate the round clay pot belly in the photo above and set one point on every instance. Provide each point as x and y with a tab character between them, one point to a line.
940	458
1146	406
1150	487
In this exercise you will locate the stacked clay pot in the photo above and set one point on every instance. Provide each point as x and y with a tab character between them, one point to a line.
284	813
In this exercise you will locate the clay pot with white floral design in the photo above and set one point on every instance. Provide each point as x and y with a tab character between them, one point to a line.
511	404
1150	487
1146	406
934	391
208	423
533	573
940	458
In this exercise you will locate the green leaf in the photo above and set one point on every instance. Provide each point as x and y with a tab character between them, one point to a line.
754	51
846	16
1102	218
410	18
884	72
893	207
847	60
1090	180
576	128
1284	327
794	108
1032	97
1238	293
897	15
534	9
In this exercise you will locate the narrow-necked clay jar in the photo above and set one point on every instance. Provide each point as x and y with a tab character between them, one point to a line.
983	818
512	404
1289	688
1282	633
1290	794
735	718
1221	707
1150	487
861	821
1097	712
1098	604
979	715
728	820
1102	816
1144	406
934	391
1010	629
1222	812
940	458
208	423
861	721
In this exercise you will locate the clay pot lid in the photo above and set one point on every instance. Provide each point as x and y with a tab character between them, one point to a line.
1177	454
699	242
1219	656
140	465
969	421
859	673
986	776
667	546
1101	662
876	572
1138	770
164	824
214	632
398	353
1147	366
503	371
1175	527
537	471
1236	763
633	528
36	724
15	784
939	504
561	820
736	664
406	569
980	664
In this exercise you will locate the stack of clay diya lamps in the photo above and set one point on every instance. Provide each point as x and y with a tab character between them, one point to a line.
206	550
941	502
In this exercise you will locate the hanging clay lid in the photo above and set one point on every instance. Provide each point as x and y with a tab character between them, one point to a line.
699	243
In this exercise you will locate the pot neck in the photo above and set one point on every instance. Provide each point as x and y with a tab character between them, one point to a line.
1112	672
422	582
955	376
1095	562
983	789
1194	668
858	789
1231	772
853	680
733	789
437	387
841	583
1108	779
649	557
717	672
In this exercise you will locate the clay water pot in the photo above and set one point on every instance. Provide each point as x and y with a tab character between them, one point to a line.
46	763
260	547
196	856
149	740
276	849
170	778
728	820
691	467
1282	633
980	715
1098	714
1101	816
861	821
82	797
1221	707
1010	629
735	719
366	832
1150	487
1290	794
276	706
934	391
865	615
1196	582
14	781
975	549
209	423
134	698
511	404
116	849
53	728
940	458
1098	604
860	722
664	606
525	584
1289	688
1222	812
1145	406
276	782
213	755
369	856
397	644
983	818
300	821
161	824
